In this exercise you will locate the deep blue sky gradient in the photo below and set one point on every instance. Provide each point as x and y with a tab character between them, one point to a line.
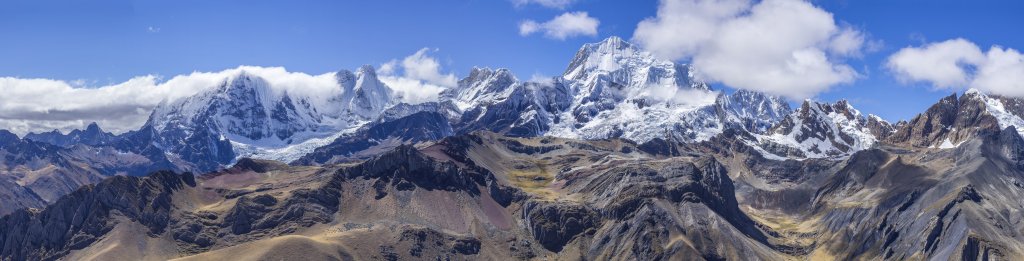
105	42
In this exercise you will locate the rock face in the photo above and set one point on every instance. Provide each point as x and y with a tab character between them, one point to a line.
554	225
954	217
953	119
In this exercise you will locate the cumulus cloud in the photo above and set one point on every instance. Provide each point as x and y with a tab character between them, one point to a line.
784	47
1002	73
943	64
417	77
566	25
557	4
959	63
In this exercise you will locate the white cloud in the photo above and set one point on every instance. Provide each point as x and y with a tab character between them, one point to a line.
1002	73
152	29
557	4
417	77
942	64
679	96
563	26
959	63
783	47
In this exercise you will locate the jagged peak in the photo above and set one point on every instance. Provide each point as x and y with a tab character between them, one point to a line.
478	74
952	98
366	71
843	103
841	106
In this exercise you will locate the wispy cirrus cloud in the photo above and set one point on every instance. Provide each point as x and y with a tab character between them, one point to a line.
557	4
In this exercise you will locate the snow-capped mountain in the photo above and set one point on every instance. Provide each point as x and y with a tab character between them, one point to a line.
619	90
611	89
818	130
246	116
481	87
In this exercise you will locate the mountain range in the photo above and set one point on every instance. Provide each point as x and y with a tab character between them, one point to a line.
623	156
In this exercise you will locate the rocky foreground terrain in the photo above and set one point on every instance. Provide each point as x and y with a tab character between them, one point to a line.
488	196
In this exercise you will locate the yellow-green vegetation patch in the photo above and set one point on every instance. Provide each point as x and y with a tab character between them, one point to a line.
534	181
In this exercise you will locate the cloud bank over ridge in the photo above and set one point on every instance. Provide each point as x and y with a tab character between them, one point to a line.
37	105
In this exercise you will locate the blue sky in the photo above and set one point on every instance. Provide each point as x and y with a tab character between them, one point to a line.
107	42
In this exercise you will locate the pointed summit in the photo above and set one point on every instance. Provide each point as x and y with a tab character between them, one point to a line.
608	55
368	96
93	128
367	71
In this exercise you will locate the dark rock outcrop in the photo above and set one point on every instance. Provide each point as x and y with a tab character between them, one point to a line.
554	224
405	168
82	217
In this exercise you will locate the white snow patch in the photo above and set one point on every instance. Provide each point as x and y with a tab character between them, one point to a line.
288	153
